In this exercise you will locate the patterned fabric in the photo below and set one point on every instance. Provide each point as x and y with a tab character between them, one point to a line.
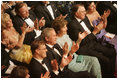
102	37
81	62
22	54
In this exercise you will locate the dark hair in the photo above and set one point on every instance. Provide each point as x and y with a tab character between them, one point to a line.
58	23
87	4
19	72
18	6
36	44
76	7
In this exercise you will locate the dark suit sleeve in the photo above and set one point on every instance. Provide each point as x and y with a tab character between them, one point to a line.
73	31
89	38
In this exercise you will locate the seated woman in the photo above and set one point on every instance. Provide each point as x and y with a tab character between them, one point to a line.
13	41
80	62
94	18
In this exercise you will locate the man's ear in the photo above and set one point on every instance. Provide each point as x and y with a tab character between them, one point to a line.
46	38
76	14
36	50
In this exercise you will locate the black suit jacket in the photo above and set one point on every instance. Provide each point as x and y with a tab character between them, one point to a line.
66	73
36	68
74	27
51	54
42	11
4	60
91	46
18	22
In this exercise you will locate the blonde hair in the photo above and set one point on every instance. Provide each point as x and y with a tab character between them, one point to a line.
4	18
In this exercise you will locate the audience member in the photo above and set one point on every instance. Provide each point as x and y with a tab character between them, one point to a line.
28	17
54	51
95	18
47	10
90	45
20	72
112	19
13	41
79	62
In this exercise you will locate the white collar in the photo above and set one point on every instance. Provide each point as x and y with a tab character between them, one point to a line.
38	59
51	46
78	19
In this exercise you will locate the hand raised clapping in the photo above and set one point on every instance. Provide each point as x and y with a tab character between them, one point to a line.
39	23
65	49
65	61
46	75
74	48
26	29
54	64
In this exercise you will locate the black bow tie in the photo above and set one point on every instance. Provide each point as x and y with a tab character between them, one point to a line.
55	46
42	62
81	21
47	5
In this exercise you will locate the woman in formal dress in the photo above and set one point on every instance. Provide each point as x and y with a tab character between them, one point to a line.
13	41
94	18
80	62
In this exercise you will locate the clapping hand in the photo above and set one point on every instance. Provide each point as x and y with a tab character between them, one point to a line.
54	64
106	13
46	75
65	61
82	35
98	28
39	23
61	17
42	22
26	28
65	49
74	48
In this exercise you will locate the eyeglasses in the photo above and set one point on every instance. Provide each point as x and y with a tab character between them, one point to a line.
43	49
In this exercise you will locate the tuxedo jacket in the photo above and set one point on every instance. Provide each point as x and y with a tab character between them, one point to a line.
74	27
51	54
90	44
18	23
36	68
4	60
42	11
66	73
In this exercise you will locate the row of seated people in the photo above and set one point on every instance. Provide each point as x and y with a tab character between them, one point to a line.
67	59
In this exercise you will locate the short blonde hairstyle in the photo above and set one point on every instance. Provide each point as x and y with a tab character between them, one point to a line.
4	18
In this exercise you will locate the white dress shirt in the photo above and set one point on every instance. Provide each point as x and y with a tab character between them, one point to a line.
83	25
51	46
51	11
29	22
44	65
38	33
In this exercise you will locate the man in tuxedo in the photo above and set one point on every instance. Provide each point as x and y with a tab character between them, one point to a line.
62	56
89	44
26	16
47	10
40	64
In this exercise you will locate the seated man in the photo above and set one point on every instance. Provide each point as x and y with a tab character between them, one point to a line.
90	45
40	64
56	52
23	15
